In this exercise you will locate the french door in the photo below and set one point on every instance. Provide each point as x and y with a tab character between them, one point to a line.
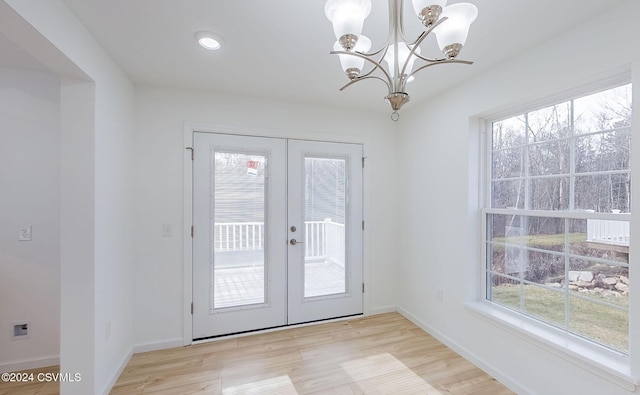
277	232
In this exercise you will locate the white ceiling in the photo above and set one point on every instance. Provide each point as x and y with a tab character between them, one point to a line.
280	49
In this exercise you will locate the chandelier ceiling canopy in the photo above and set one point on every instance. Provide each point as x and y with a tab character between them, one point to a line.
394	62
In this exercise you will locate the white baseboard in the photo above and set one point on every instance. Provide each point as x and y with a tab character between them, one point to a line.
118	372
474	359
33	363
153	346
159	345
383	310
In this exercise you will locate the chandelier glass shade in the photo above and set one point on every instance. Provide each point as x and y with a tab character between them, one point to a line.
450	24
353	64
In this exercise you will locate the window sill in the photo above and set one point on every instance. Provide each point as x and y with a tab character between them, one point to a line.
609	365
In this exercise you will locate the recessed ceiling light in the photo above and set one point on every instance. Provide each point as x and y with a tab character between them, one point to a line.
209	40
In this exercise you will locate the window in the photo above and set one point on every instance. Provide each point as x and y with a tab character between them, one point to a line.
557	225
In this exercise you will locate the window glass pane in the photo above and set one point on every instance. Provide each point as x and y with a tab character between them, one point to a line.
509	133
324	218
598	238
603	151
549	193
508	163
610	109
604	324
238	272
578	236
547	269
545	304
508	194
549	158
507	254
545	233
505	291
496	254
596	280
549	123
515	261
603	193
506	228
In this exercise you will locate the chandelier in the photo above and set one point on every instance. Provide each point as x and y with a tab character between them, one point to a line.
450	25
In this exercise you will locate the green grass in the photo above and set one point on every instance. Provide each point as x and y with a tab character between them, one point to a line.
542	241
594	321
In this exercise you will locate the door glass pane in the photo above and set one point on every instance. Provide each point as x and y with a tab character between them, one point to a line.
324	218
238	272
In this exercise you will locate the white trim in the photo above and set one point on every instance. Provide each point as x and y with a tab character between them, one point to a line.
616	76
558	214
189	129
116	375
366	235
159	345
594	358
390	309
282	134
606	364
634	240
477	361
32	363
383	310
187	333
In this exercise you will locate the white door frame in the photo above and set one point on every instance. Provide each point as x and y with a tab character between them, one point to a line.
189	130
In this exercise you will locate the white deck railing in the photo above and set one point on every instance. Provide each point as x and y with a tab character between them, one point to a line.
238	236
323	239
608	231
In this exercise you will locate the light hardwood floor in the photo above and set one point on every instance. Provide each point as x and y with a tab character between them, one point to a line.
33	387
381	354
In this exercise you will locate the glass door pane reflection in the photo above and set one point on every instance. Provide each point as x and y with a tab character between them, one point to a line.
238	275
325	266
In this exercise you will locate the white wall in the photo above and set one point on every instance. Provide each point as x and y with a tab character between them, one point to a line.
160	121
96	190
29	196
444	192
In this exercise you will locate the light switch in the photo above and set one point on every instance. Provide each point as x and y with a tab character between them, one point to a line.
25	234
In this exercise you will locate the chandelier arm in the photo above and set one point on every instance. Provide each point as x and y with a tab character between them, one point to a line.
428	31
430	60
378	65
366	77
441	61
368	73
418	40
376	52
413	50
417	43
365	57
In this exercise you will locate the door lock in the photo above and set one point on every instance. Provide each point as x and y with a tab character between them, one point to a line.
293	228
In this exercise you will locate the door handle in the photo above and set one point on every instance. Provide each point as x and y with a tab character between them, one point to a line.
294	242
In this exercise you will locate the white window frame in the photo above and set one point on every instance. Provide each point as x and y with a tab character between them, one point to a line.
600	360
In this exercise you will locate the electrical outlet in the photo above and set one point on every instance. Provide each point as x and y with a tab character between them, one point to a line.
25	234
20	330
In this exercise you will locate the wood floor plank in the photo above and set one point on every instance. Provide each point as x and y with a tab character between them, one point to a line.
381	354
33	387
